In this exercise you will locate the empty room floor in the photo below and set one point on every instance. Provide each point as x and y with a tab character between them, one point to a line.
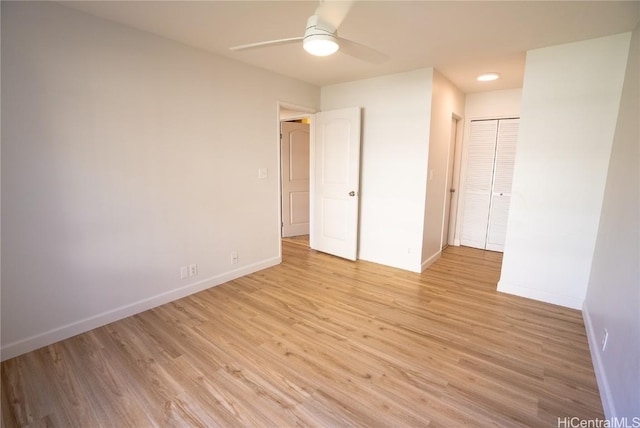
320	341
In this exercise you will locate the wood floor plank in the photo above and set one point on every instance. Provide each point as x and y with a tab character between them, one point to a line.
320	341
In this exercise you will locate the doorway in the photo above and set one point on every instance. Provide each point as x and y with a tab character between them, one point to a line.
334	179
294	123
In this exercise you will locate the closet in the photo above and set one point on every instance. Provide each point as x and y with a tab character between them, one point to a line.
487	192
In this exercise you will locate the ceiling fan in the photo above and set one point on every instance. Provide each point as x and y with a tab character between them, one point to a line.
321	35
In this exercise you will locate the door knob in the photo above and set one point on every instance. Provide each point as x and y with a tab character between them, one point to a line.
352	193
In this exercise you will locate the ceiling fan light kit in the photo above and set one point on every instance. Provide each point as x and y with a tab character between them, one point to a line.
321	35
320	45
319	38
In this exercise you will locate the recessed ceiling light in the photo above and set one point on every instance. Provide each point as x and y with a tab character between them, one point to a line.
487	77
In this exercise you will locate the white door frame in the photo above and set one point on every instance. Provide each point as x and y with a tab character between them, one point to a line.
455	182
297	112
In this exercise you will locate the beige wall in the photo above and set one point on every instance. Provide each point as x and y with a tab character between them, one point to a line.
124	157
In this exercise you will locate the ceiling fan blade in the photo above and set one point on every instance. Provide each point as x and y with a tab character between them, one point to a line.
265	44
362	52
334	11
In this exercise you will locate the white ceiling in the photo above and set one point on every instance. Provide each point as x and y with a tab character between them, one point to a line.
459	38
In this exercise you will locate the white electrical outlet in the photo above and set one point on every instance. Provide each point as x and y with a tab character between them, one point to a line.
234	257
605	337
193	270
184	272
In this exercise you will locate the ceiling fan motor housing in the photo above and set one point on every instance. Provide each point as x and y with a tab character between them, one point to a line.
316	25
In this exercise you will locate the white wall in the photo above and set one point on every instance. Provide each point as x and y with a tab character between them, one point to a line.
570	103
124	157
447	101
613	294
396	111
478	106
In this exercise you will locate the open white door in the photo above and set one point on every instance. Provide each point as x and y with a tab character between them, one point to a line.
335	182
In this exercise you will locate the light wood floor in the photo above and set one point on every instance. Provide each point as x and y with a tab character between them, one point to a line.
318	341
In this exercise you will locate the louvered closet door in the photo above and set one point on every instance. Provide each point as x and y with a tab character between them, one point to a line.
477	196
492	150
503	177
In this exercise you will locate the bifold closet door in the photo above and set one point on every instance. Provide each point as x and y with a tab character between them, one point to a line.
492	148
477	196
502	179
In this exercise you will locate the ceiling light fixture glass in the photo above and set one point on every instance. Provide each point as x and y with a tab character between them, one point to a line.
320	44
487	77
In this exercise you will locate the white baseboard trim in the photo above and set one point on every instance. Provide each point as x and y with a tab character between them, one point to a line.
572	302
57	334
430	261
598	365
